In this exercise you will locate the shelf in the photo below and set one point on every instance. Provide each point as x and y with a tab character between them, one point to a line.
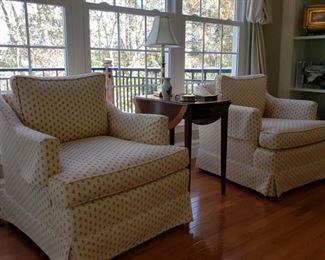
308	90
314	37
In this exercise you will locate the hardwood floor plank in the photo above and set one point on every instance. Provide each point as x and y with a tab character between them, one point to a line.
240	225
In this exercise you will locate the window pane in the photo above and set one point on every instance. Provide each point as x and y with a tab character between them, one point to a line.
132	31
193	67
212	63
154	4
98	56
210	8
228	64
229	37
193	71
13	61
103	29
191	7
153	59
13	58
48	59
193	60
132	59
153	65
212	37
46	25
194	36
12	23
227	9
129	3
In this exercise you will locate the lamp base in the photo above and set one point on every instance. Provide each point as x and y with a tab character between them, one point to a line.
166	88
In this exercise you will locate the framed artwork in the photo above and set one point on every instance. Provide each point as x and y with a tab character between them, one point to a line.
314	17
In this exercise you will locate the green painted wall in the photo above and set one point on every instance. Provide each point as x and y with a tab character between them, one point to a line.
272	36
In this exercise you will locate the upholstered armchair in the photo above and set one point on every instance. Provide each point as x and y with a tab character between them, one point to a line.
274	145
82	179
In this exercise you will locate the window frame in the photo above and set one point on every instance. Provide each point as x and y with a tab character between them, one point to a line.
178	55
119	10
77	35
66	46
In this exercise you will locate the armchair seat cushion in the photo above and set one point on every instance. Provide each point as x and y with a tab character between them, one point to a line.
289	133
98	167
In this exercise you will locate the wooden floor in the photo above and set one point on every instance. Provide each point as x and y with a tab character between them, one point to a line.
240	225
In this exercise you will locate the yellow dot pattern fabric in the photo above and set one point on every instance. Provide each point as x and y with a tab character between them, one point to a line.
100	166
271	153
290	109
287	133
142	128
129	190
246	91
68	109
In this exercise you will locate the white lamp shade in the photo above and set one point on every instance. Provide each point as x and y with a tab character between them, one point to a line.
162	34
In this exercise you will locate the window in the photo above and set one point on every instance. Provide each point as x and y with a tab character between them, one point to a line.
58	37
211	44
32	40
120	36
218	9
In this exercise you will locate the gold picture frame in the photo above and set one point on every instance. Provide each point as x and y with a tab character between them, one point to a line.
314	17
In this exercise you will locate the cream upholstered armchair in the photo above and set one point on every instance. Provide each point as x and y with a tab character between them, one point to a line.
274	145
82	179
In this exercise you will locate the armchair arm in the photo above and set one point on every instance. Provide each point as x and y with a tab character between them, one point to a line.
143	128
34	155
290	109
244	123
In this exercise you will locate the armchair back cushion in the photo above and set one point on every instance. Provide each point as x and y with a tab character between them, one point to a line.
66	108
246	91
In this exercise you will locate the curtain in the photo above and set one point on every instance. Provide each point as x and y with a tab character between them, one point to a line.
258	13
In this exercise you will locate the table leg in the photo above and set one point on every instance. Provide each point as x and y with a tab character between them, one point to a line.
172	136
224	131
188	142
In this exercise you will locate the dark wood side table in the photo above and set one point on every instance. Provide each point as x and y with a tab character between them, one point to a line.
201	113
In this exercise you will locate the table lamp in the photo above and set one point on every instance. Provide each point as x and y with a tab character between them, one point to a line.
162	35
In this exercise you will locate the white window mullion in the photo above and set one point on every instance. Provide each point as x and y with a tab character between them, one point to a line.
77	38
28	40
221	50
177	55
145	58
203	50
119	47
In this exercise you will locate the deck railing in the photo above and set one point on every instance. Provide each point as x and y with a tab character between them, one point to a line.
128	82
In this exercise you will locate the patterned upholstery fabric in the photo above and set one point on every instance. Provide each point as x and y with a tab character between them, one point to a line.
245	123
68	109
246	91
107	220
36	153
100	166
12	102
270	155
284	133
148	129
269	179
290	109
140	212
